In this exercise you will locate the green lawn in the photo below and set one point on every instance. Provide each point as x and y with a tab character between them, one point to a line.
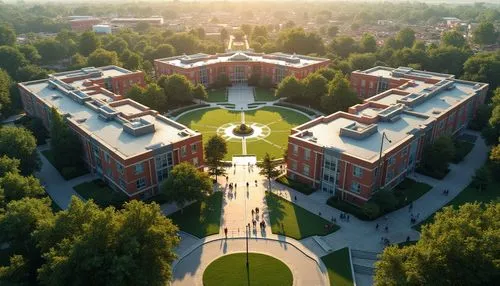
101	193
217	95
231	270
468	195
279	120
298	186
294	221
338	265
264	94
200	218
72	173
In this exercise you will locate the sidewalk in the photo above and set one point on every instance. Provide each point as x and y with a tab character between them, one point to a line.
58	189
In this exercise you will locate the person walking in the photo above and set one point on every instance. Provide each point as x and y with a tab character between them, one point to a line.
295	198
225	231
386	228
376	227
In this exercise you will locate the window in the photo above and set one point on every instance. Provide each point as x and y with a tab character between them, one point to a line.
392	160
119	168
295	149
363	83
162	174
107	158
357	171
108	172
305	171
355	187
294	165
307	154
95	149
139	168
195	161
194	148
123	184
371	84
183	151
141	183
405	151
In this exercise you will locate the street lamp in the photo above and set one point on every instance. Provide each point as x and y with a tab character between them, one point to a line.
247	230
384	137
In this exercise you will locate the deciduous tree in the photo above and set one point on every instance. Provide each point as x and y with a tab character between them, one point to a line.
268	168
25	148
291	88
88	43
102	57
340	95
215	150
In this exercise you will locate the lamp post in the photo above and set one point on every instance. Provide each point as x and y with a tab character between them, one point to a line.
384	137
247	230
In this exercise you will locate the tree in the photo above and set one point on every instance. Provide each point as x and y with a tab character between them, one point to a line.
300	42
7	36
406	38
448	59
215	151
17	226
483	67
438	155
185	184
88	43
133	61
459	248
86	245
495	161
31	72
101	57
8	165
16	187
453	38
78	61
142	27
200	92
184	43
368	43
224	34
343	46
362	61
117	45
177	88
259	31
155	97
162	51
247	29
340	95
485	34
371	210
12	59
50	50
5	100
269	168
66	147
333	31
291	88
315	86
481	178
327	73
25	149
30	53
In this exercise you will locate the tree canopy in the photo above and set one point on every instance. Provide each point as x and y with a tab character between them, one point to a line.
25	148
215	151
485	34
460	248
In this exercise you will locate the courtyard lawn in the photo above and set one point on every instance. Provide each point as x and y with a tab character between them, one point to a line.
264	94
231	270
101	193
75	172
468	195
217	95
200	218
279	120
338	265
294	221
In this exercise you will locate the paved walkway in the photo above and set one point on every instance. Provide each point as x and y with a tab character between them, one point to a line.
56	186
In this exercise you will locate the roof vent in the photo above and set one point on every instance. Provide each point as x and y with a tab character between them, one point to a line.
435	111
57	96
81	120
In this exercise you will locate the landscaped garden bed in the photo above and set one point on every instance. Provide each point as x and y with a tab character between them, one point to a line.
296	222
383	202
264	94
217	95
67	173
101	193
298	186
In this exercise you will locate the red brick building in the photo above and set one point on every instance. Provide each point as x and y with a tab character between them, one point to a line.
129	145
85	24
378	142
239	66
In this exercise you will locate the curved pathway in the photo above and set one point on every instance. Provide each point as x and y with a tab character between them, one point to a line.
189	270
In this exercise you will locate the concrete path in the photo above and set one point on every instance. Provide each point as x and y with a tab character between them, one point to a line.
306	271
240	95
56	186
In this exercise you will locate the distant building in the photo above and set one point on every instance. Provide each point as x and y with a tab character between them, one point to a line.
131	22
84	24
239	66
101	29
451	21
345	153
128	145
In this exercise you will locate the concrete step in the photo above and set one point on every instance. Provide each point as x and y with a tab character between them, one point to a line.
364	254
363	269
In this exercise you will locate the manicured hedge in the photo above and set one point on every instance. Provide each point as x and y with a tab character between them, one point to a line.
298	186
